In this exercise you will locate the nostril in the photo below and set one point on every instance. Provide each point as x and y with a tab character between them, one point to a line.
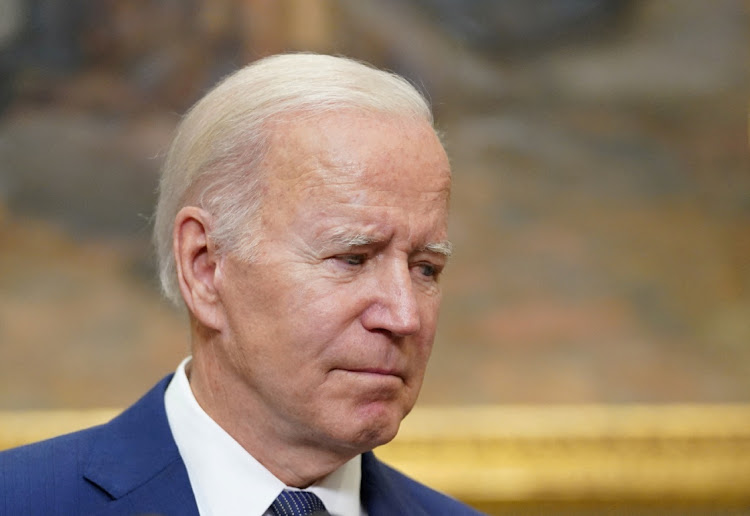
393	319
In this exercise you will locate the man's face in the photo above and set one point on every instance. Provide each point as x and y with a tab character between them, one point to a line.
329	330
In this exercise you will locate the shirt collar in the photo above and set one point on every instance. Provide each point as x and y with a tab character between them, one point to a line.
226	479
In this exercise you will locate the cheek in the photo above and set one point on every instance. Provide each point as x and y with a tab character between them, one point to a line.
323	299
430	309
423	351
429	319
316	314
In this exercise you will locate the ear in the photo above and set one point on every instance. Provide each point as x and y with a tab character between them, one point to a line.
196	263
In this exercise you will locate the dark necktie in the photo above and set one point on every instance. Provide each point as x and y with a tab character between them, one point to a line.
298	503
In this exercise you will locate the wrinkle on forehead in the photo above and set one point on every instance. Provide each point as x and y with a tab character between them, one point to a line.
359	160
360	181
363	185
316	144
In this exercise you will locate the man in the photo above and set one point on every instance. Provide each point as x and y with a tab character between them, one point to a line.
302	222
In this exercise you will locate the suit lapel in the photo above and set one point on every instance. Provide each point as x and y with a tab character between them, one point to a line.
135	460
382	494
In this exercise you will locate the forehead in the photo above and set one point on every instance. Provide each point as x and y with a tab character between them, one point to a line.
384	177
361	150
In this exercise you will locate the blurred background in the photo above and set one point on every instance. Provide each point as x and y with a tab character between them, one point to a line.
601	204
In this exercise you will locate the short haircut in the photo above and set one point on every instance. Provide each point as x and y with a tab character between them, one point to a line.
214	159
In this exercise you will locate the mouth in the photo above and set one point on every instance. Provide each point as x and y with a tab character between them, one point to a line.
375	372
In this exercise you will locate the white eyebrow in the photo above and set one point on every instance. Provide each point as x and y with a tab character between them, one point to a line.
354	240
444	248
340	238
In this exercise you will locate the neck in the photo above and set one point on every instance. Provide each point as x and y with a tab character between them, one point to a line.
231	404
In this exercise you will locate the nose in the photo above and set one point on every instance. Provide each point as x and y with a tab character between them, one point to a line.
394	307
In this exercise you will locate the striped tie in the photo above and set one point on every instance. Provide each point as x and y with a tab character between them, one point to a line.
298	503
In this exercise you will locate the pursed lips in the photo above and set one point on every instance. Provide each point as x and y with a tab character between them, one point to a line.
374	371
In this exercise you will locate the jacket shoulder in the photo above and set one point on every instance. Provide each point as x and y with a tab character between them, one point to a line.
37	478
122	467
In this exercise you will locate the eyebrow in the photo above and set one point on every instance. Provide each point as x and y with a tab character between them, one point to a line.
444	248
354	240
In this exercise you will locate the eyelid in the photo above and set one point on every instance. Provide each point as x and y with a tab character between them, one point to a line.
435	259
437	268
345	257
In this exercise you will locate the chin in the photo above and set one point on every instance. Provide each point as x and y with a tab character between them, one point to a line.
376	424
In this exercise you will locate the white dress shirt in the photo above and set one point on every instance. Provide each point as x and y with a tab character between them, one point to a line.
227	480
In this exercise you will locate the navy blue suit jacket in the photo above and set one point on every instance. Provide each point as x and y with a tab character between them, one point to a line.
131	466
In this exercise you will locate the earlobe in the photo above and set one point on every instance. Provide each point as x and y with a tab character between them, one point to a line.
196	262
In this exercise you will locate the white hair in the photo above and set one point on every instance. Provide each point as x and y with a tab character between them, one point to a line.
214	159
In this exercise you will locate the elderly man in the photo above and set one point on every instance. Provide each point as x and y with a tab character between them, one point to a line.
302	222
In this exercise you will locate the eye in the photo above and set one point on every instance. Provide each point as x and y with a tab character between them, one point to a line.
352	259
428	270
